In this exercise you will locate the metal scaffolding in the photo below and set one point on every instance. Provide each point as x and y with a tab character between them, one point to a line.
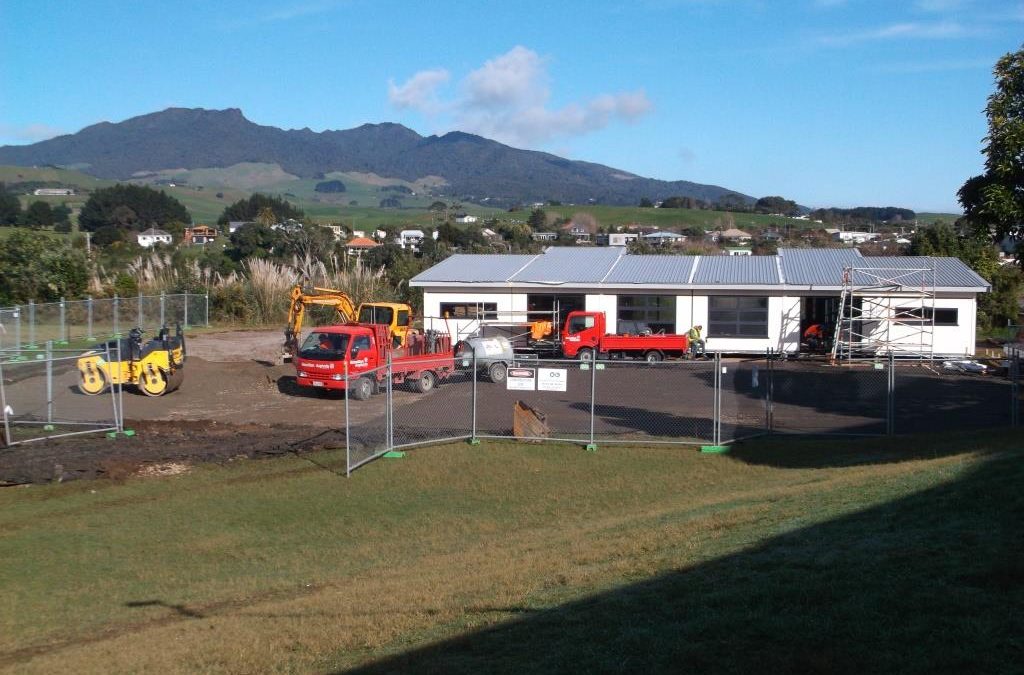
886	310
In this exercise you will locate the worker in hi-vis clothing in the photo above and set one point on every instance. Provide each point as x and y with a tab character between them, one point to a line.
696	341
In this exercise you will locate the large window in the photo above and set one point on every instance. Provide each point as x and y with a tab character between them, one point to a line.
637	313
469	310
737	316
919	316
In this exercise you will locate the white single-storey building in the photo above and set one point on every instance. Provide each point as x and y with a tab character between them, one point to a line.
153	236
746	304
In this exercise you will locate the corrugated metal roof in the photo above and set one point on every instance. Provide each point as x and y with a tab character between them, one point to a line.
566	264
652	269
737	270
478	268
820	268
817	266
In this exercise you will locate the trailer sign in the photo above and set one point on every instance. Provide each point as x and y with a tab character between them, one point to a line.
551	379
521	379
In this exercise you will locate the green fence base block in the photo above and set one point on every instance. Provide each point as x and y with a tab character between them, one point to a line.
62	343
474	441
47	427
40	357
394	454
715	449
30	345
18	358
591	447
111	434
129	432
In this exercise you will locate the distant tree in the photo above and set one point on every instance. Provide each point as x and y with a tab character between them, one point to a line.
111	206
732	202
35	268
247	209
220	195
390	203
38	214
538	220
438	206
330	186
646	203
780	205
10	209
253	240
994	201
62	214
107	235
554	202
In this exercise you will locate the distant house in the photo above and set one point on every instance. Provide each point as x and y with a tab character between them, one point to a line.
235	224
337	230
462	219
733	234
290	225
617	238
153	236
544	236
200	234
773	235
410	239
53	192
664	238
738	250
357	245
855	237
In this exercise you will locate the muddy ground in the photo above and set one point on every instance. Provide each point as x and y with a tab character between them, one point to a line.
237	400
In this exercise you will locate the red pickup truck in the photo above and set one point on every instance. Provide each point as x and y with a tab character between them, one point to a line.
584	336
351	357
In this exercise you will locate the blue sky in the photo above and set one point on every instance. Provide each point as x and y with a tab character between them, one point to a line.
828	102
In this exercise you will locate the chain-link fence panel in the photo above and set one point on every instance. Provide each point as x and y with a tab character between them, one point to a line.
78	319
943	396
46	322
661	402
367	420
817	398
432	403
151	311
744	400
43	398
10	329
537	400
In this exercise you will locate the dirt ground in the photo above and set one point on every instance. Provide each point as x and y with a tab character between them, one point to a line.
238	400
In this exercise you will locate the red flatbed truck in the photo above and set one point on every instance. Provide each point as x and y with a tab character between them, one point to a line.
351	357
584	336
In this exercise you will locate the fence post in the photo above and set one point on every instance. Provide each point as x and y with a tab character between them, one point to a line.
163	309
716	402
767	390
592	445
17	330
185	320
88	312
1015	391
3	406
473	440
390	430
63	340
207	323
117	327
138	311
348	447
890	410
49	386
31	324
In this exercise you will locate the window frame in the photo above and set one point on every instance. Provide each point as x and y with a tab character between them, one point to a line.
656	312
471	311
743	316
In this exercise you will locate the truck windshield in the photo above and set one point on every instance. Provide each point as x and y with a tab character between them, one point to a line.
371	314
580	323
324	347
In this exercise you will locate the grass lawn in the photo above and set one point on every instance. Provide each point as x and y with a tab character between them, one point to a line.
785	556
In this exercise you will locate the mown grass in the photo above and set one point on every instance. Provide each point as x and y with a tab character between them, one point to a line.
784	557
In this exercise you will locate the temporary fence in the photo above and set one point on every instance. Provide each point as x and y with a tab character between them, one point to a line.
711	403
40	397
28	326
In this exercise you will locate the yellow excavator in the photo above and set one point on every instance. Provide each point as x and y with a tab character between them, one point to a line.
397	316
155	368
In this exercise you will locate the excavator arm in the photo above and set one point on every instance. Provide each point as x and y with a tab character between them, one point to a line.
316	296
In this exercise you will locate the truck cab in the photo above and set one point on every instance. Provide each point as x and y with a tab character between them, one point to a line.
582	330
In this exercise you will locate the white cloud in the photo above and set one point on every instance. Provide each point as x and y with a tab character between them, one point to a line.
940	30
419	92
507	99
29	133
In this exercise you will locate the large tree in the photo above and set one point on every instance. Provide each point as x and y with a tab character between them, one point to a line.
131	207
249	209
994	201
38	268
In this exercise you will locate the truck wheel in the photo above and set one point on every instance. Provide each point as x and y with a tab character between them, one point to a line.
425	383
653	356
585	354
496	372
362	389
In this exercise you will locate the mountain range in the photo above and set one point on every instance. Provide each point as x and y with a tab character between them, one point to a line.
471	167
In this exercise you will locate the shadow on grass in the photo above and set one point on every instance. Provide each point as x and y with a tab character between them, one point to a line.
933	582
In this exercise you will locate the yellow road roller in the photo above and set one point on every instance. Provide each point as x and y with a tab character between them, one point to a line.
155	368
